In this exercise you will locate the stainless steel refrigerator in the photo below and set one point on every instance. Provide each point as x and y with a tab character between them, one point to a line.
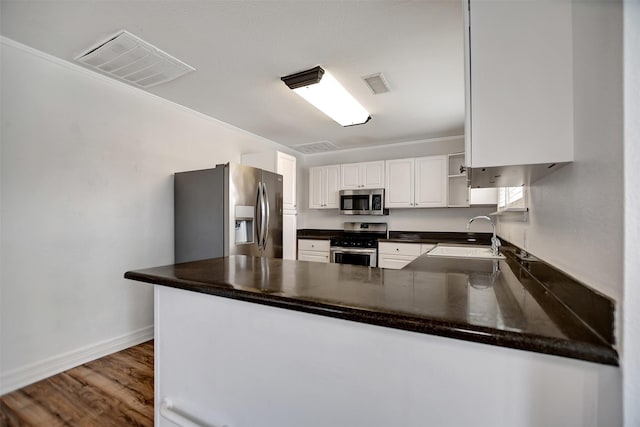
231	209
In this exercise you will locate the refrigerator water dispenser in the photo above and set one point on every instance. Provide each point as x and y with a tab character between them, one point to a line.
244	224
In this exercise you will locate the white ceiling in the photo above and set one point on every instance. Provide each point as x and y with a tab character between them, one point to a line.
241	49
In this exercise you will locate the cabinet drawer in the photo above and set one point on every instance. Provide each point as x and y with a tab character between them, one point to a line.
399	248
313	245
313	256
394	262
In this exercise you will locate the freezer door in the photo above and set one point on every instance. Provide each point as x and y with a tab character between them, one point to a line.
272	185
199	214
241	230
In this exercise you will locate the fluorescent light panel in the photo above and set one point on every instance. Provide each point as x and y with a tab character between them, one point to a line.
326	94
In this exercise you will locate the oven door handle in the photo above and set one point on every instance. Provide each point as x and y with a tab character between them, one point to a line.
353	250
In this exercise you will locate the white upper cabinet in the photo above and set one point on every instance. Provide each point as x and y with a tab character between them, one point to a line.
431	181
416	183
399	183
323	187
283	164
520	82
362	175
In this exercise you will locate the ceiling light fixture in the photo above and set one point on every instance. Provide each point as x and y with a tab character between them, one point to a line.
324	92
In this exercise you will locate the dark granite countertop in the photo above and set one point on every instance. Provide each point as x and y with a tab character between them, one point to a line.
491	302
317	234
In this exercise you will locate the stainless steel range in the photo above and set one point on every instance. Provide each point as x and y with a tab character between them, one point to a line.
359	243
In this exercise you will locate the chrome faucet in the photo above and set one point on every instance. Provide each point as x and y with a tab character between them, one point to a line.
495	242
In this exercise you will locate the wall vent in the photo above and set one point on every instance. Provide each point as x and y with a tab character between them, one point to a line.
376	83
133	60
315	147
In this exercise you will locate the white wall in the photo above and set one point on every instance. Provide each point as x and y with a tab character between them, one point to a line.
428	219
631	309
87	194
433	219
576	213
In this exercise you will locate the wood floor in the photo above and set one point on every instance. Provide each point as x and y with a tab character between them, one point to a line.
116	390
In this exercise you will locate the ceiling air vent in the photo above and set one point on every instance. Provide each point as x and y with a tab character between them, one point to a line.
315	147
131	59
377	83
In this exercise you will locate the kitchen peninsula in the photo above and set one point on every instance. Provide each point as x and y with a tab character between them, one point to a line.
330	344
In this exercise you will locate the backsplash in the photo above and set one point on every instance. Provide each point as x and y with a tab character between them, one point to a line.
432	219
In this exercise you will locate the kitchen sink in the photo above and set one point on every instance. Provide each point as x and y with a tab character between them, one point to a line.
464	251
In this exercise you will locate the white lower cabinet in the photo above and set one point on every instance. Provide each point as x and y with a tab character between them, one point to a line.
313	250
395	256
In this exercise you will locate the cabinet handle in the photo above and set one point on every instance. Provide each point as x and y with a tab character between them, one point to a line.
397	249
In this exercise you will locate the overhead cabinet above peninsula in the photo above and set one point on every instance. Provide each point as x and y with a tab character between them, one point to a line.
519	89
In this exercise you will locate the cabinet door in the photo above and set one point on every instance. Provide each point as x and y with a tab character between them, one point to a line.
521	112
350	176
431	181
399	183
332	181
372	175
287	168
316	199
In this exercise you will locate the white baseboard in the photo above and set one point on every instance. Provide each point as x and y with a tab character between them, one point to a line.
37	371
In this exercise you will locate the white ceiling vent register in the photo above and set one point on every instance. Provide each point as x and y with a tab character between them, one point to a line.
129	58
377	83
315	147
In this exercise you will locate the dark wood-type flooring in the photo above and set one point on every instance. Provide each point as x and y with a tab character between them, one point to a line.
116	390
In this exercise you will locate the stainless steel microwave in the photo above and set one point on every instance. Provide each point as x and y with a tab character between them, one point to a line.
363	202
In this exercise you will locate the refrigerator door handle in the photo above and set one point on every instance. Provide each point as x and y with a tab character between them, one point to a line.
267	216
259	215
263	218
